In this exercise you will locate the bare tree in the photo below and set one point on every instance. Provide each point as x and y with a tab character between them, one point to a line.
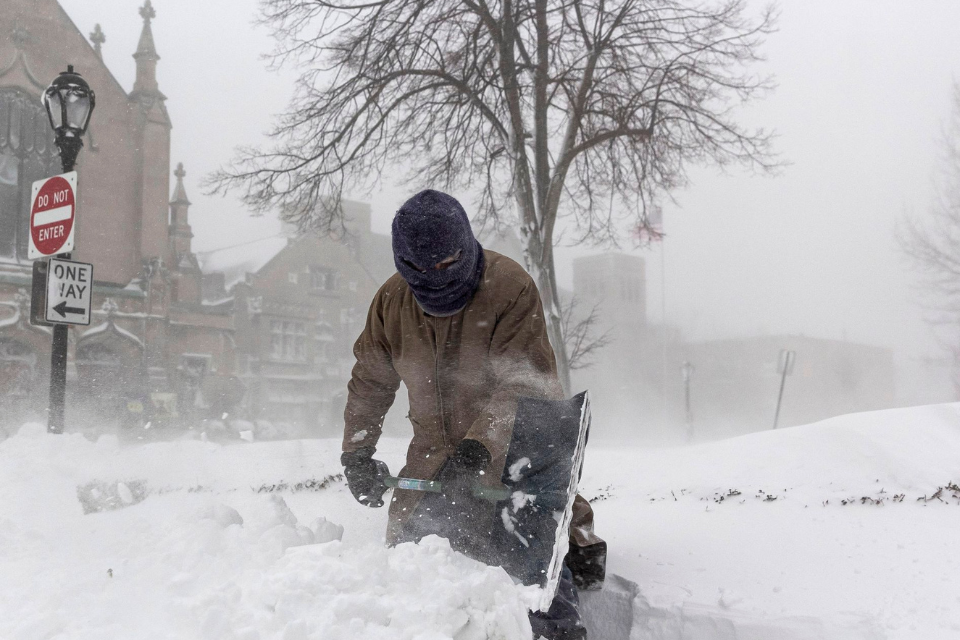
527	103
933	245
579	333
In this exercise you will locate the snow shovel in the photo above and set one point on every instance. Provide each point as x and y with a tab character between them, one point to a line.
535	507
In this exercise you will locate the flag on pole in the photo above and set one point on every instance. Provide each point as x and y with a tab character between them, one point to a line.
650	227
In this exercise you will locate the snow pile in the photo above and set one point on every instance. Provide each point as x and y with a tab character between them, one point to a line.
205	557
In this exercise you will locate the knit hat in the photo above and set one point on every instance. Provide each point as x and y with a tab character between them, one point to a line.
429	228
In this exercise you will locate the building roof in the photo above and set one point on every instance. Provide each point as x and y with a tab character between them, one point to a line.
236	261
371	252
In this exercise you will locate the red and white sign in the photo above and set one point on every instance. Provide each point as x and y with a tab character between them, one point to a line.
53	214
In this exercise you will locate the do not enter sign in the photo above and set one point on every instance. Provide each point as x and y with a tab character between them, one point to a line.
52	216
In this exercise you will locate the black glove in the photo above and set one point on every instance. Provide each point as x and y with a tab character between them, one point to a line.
471	456
465	517
365	476
462	471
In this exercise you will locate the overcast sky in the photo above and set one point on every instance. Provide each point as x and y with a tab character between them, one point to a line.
863	90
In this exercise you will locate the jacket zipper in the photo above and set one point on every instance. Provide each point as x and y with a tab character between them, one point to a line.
436	376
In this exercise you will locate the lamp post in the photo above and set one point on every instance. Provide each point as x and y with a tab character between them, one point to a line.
69	102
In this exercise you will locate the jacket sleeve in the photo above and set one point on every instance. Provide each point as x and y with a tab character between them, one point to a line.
523	363
373	383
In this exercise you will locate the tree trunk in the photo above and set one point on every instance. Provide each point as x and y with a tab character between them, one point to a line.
538	257
545	274
551	302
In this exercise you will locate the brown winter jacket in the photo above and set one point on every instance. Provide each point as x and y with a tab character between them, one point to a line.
463	373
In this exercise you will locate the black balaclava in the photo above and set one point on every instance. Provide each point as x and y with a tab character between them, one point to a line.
428	228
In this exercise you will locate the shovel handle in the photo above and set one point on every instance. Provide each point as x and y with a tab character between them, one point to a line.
413	484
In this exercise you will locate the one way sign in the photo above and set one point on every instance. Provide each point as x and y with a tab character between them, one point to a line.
69	289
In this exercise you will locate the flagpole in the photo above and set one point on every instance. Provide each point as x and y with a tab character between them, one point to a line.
663	320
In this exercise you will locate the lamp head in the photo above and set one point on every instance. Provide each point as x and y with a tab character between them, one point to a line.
69	102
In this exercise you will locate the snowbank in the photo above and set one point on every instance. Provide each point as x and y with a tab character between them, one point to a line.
206	555
827	530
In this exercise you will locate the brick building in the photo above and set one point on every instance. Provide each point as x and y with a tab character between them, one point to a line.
155	347
299	304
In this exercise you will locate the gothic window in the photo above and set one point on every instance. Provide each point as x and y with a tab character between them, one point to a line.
27	154
288	340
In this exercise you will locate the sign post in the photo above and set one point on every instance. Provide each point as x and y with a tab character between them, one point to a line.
686	370
784	368
53	213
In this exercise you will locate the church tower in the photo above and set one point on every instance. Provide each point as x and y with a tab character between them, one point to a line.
154	144
185	274
146	55
180	232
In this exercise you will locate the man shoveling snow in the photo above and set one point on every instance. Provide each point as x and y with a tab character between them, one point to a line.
463	328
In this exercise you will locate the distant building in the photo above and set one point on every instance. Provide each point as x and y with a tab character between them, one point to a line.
620	378
155	350
299	304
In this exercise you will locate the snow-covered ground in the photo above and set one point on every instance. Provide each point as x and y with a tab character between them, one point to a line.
819	531
829	536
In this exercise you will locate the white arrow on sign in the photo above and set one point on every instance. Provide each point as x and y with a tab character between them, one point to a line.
69	292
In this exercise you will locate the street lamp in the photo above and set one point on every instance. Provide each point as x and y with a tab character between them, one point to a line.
69	102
